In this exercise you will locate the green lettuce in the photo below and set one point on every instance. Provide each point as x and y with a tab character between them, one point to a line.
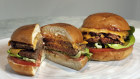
23	58
132	30
85	52
14	55
128	43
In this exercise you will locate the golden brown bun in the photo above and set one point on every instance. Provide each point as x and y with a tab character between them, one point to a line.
72	33
112	55
24	69
26	34
108	21
66	61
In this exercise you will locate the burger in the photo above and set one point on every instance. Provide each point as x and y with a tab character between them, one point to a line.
108	36
63	45
26	51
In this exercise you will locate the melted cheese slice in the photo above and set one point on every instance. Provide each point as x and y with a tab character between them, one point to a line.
121	34
84	42
15	51
75	45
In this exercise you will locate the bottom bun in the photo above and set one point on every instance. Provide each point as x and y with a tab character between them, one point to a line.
66	61
115	54
24	69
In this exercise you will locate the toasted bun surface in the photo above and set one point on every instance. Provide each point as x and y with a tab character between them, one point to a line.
108	21
72	33
66	61
26	34
112	55
25	69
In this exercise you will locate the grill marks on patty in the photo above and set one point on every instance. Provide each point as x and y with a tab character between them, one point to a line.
103	38
60	45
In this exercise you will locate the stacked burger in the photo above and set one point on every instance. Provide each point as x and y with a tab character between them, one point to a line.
108	36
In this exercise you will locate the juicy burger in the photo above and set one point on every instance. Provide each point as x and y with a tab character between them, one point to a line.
108	36
63	44
26	52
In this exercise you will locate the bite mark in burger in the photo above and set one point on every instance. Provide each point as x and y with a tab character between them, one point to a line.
103	31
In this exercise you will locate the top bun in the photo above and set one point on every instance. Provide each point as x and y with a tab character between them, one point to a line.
108	21
26	34
69	31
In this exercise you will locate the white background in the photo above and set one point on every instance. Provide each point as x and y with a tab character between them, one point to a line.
9	9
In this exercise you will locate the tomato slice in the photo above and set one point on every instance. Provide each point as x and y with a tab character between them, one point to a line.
105	49
100	50
20	61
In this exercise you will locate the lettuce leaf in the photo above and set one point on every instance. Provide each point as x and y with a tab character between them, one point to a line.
85	52
132	30
128	43
23	58
14	55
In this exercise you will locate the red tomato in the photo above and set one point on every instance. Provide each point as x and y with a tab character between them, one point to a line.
100	50
19	61
92	50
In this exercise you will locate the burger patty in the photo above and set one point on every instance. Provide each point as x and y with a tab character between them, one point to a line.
19	45
30	53
61	46
33	54
28	50
67	51
61	42
103	38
